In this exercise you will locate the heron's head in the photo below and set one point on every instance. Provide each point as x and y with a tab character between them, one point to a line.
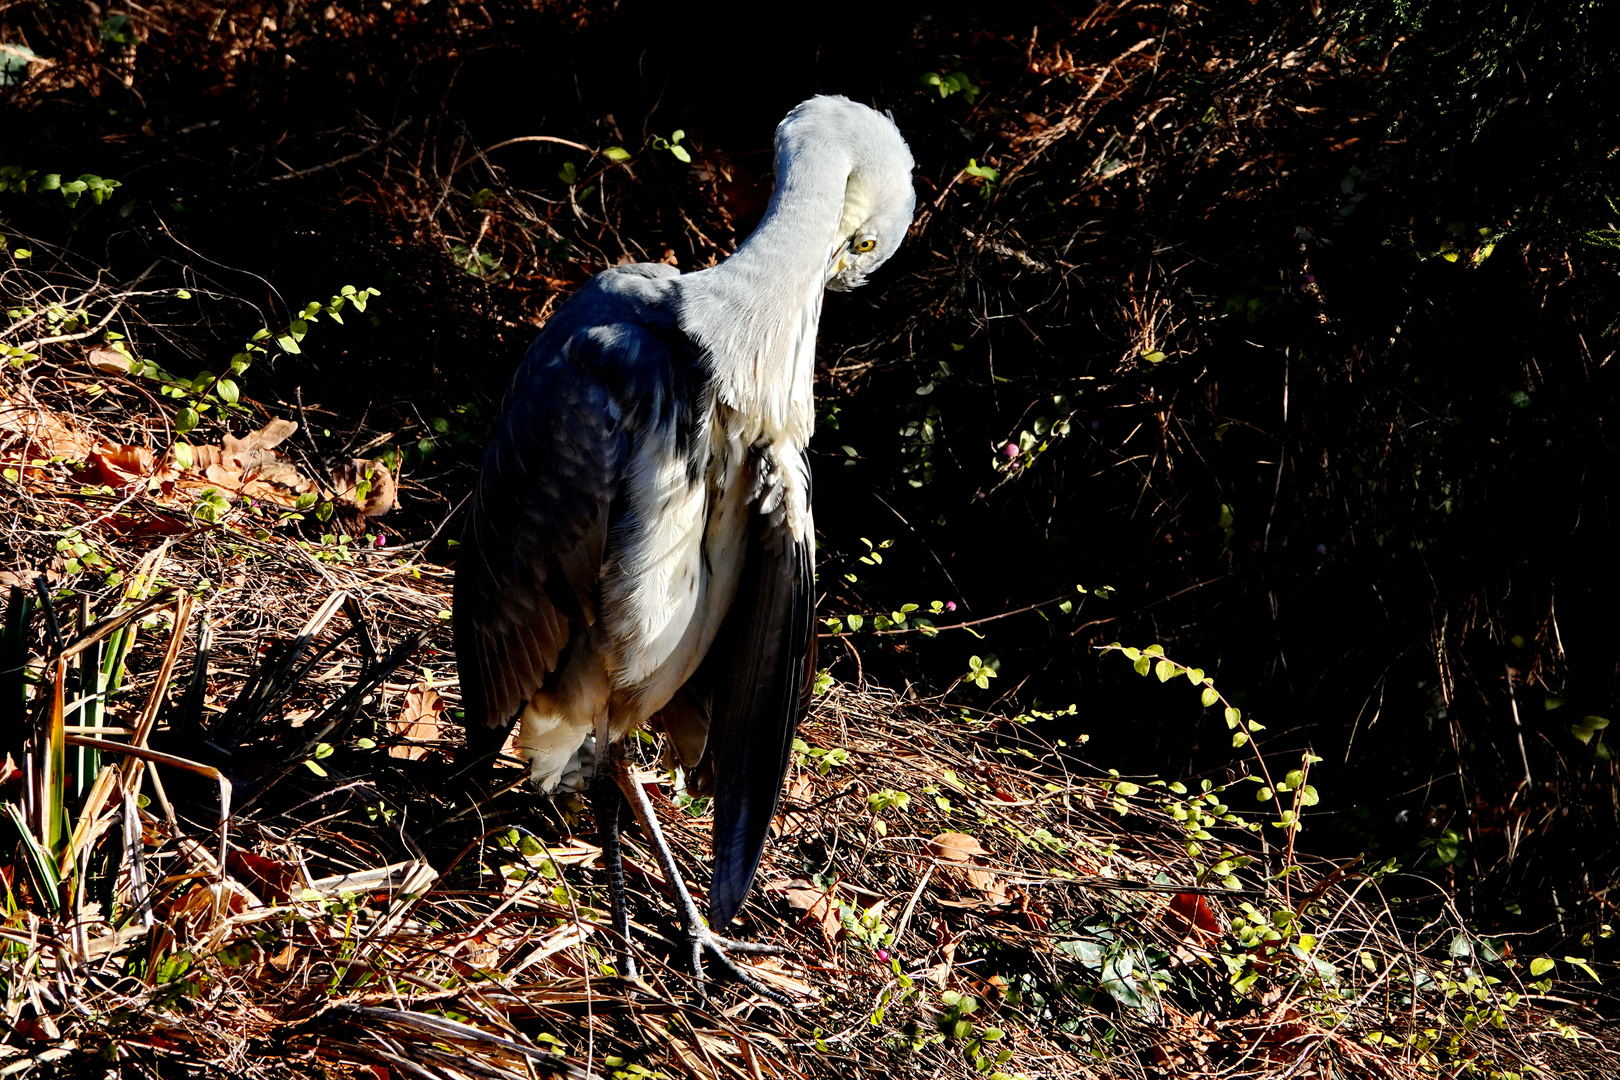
878	196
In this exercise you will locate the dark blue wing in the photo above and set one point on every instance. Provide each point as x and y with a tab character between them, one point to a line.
527	574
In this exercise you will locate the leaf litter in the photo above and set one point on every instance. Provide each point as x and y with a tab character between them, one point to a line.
376	912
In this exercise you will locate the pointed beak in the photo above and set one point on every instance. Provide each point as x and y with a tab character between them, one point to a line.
841	276
840	259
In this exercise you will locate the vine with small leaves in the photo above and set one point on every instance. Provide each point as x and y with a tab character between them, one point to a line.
1152	660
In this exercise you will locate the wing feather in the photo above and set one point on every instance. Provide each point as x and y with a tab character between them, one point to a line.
529	568
534	540
761	672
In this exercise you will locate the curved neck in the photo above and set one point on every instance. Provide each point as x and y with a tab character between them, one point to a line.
756	314
799	231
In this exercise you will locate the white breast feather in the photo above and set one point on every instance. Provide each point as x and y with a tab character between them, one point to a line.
655	581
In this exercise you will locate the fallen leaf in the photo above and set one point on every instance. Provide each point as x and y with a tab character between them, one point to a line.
815	905
120	466
962	857
956	847
379	493
417	722
38	1028
267	876
1190	914
107	360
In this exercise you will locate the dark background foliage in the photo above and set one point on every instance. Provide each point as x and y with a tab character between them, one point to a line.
1301	326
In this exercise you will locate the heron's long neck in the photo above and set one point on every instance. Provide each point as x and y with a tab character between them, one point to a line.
757	312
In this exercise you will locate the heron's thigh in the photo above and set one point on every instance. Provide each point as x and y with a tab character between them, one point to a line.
558	719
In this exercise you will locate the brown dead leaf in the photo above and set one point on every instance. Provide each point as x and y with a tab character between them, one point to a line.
961	856
956	847
283	960
120	466
1189	915
800	792
206	905
366	486
271	435
246	467
267	876
38	1028
45	434
815	905
417	722
109	360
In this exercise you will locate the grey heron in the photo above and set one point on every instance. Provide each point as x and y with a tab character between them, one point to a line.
639	548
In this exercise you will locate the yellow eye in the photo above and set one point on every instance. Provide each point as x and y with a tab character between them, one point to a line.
865	245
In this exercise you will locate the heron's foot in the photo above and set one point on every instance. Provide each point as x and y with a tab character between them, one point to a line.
701	939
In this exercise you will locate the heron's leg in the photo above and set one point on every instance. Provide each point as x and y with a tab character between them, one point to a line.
607	802
698	935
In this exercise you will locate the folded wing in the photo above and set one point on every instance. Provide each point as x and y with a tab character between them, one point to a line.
760	673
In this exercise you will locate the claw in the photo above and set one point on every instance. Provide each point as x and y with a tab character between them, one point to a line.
706	939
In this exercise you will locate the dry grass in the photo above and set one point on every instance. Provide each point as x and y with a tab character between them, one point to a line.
950	887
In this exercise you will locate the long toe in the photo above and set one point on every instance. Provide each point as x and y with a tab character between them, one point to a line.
705	940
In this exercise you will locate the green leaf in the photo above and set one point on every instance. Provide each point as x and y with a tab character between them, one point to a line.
1165	670
288	344
1541	965
1233	716
1588	726
1143	665
228	391
1209	696
681	154
616	153
1584	966
1154	357
186	419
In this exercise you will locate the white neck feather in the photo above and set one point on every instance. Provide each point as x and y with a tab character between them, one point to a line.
757	313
